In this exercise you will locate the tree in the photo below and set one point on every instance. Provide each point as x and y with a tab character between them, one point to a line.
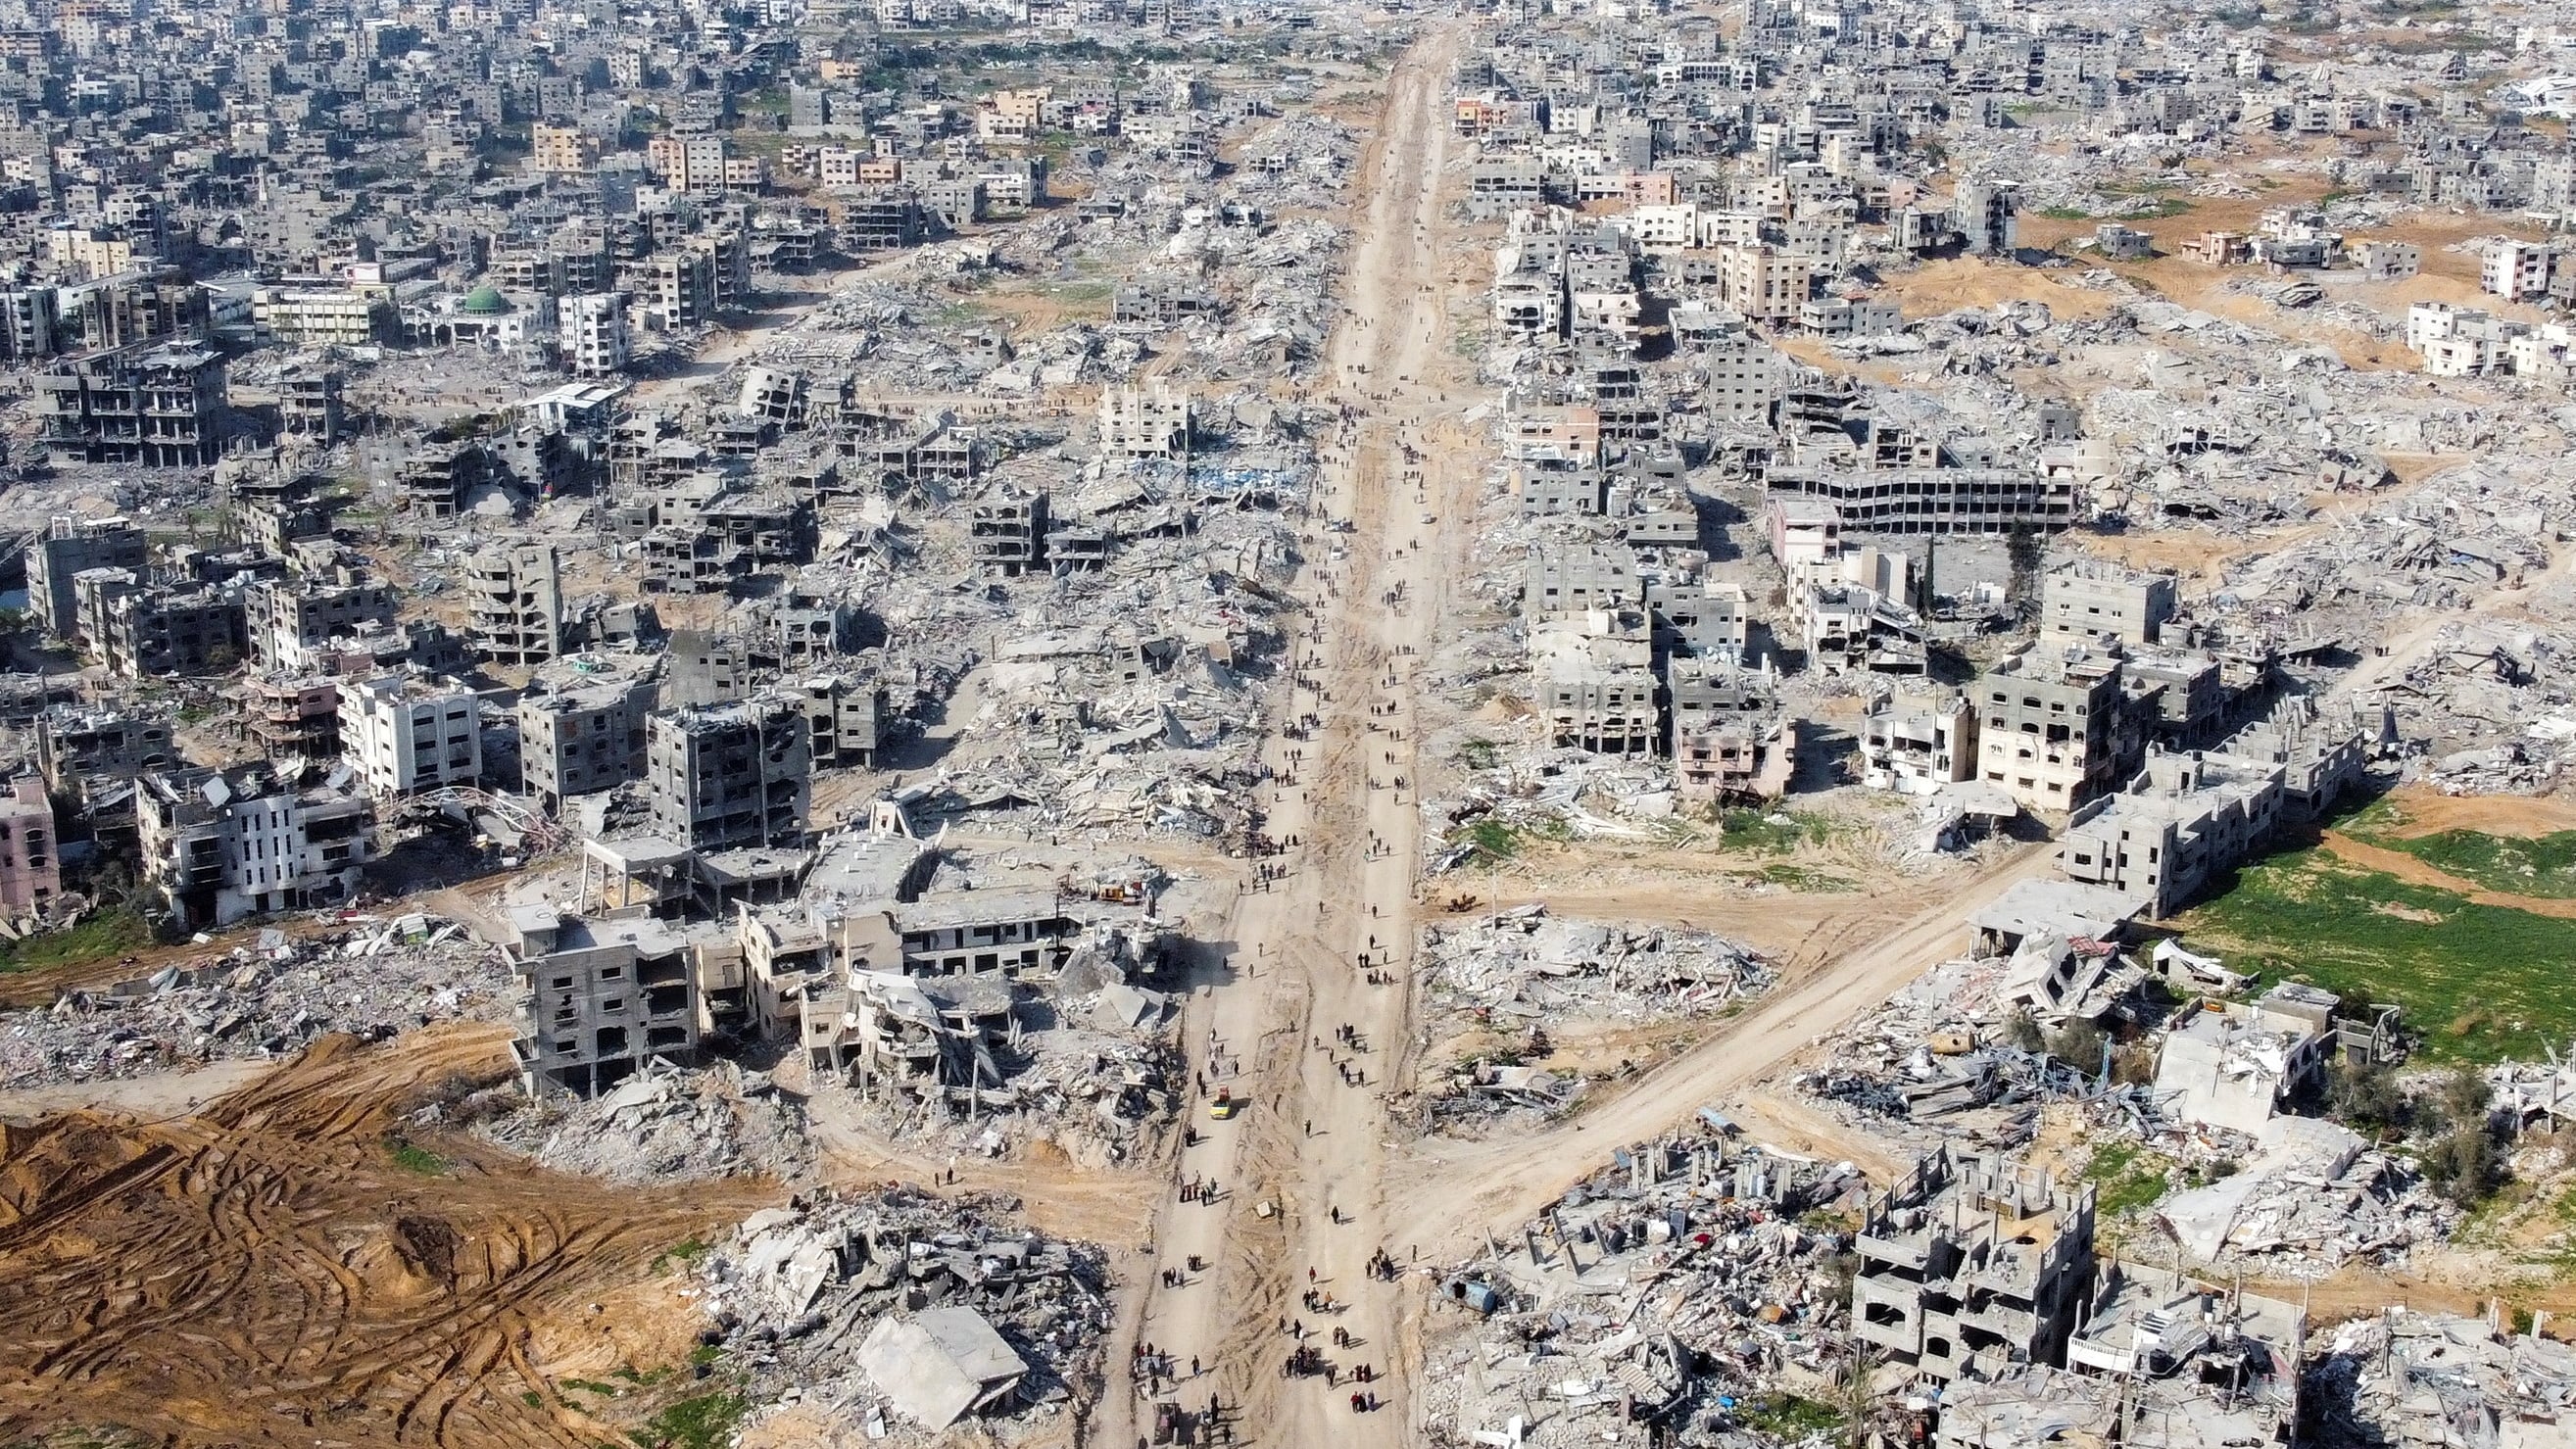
2464	1165
2464	1095
2078	1044
2026	550
1854	1396
2366	1097
2022	1032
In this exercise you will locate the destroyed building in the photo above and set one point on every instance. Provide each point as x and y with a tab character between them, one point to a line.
603	998
729	776
221	845
515	604
1970	1266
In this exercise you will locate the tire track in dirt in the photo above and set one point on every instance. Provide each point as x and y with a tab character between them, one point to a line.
266	1272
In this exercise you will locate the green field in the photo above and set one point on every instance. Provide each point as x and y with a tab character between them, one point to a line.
100	935
2479	983
2543	865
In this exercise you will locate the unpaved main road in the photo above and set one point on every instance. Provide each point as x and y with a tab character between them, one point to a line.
1303	1197
1311	1182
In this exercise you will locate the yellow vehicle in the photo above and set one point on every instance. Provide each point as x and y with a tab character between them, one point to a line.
1223	1107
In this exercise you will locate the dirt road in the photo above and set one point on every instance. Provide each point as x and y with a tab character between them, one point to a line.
1513	1177
1306	1020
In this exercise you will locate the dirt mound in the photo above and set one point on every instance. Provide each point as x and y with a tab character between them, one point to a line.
273	1270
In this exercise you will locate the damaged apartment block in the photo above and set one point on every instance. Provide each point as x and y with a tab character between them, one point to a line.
730	776
1971	1265
221	845
602	998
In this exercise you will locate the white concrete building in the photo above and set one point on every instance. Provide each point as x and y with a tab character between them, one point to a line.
594	333
406	735
2517	270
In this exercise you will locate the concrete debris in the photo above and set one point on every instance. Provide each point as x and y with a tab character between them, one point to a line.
1654	1303
364	975
2420	1380
668	1124
908	1311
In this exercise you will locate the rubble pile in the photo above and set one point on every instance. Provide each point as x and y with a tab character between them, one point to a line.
1927	1066
666	1124
2427	1378
1526	965
1679	1284
271	999
802	1297
2308	1198
1083	1086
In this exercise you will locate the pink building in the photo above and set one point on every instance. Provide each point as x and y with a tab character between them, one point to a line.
30	872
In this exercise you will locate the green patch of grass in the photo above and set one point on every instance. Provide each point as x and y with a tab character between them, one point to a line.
1802	878
99	936
587	1386
1494	840
2537	866
1074	292
2481	983
705	1422
1480	754
688	1252
2065	213
706	1353
959	314
2125	1176
1765	832
411	1157
532	1398
1789	1416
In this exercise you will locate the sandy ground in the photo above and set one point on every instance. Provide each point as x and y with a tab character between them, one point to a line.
150	1098
267	1267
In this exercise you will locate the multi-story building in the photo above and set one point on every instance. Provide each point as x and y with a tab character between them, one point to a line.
2052	728
603	998
2516	270
1764	283
73	546
1969	1266
593	333
728	777
293	718
78	742
290	620
2186	819
153	406
1916	744
132	309
30	325
405	735
679	290
2083	601
30	855
321	316
561	150
142	629
583	738
514	603
224	844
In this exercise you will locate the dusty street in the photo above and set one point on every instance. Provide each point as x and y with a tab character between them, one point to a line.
1307	1020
